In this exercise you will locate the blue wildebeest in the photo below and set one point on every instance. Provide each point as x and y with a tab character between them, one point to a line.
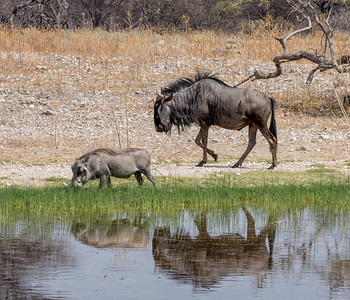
104	163
206	100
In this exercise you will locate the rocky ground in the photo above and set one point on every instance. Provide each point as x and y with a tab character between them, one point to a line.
55	108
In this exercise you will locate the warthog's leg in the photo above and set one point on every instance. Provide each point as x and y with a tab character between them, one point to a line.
139	177
105	179
202	141
273	144
252	141
147	173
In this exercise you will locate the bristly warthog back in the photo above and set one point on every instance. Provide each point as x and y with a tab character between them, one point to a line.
206	101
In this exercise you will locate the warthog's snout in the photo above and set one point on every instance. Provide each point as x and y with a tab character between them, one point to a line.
75	184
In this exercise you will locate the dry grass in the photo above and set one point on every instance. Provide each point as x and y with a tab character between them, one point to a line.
147	44
138	53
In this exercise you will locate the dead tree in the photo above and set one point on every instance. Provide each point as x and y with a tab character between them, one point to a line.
39	13
101	13
313	12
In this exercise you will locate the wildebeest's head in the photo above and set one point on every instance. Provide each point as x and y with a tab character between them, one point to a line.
162	113
81	174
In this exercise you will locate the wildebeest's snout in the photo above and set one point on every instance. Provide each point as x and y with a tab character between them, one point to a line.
160	128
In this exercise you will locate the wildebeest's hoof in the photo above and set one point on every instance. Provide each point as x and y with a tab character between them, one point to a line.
215	156
236	165
200	164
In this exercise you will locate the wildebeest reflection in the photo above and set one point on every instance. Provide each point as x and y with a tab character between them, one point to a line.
122	233
205	259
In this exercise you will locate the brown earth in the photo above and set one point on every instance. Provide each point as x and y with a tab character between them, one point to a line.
53	110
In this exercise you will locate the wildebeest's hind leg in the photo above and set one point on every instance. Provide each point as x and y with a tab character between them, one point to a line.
252	141
202	141
273	144
139	177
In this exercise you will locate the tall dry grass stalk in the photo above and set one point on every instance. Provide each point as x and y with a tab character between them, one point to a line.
147	44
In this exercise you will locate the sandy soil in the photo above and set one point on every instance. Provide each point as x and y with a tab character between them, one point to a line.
55	110
304	143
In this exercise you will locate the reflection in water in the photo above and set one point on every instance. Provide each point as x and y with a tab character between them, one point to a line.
121	233
303	253
205	259
317	244
24	260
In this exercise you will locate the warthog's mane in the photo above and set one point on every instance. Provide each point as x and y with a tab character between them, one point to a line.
111	152
185	82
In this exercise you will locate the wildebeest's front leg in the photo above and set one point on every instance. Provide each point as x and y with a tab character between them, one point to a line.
202	141
252	141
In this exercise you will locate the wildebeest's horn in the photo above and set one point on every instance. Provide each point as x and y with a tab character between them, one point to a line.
158	93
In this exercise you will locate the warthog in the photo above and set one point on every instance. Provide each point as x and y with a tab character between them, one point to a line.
120	233
104	163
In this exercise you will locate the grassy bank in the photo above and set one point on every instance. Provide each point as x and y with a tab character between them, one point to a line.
171	196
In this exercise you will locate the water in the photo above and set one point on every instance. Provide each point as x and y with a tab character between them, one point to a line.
244	254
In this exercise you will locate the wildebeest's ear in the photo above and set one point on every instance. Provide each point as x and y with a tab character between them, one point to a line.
168	98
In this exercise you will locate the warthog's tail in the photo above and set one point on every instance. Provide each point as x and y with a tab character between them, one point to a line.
273	128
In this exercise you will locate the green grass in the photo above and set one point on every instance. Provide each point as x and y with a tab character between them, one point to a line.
173	195
39	212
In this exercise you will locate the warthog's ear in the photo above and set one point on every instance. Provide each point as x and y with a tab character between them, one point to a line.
167	99
85	160
84	171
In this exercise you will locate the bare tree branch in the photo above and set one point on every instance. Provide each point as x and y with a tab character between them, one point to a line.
310	10
284	40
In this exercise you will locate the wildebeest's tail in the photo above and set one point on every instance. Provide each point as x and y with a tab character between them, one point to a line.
273	128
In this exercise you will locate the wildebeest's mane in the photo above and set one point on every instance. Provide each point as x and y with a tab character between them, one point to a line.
181	115
185	82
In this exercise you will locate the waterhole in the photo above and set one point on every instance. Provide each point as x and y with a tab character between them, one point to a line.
241	254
